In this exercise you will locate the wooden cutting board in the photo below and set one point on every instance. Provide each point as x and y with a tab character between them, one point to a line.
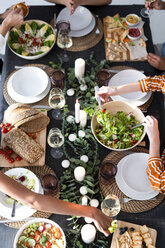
41	139
116	234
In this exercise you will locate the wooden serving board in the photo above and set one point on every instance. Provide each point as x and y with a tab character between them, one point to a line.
41	139
120	223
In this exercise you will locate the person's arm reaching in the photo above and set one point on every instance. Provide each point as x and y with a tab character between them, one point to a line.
157	4
155	168
51	204
82	2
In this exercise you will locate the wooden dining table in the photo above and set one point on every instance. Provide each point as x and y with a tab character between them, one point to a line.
154	218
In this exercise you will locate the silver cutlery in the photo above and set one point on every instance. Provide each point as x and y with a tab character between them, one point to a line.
55	27
97	30
98	97
41	107
116	71
8	221
126	200
43	67
13	209
138	125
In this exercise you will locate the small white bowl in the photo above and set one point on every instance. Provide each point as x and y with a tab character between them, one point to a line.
29	82
132	37
37	220
133	16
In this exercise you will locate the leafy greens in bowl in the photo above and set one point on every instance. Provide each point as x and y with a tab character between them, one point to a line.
31	40
111	126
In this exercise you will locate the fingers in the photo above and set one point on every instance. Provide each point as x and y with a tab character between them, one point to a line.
153	60
150	120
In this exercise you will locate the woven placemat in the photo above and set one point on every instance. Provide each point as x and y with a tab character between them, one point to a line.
112	188
143	107
10	101
88	41
39	172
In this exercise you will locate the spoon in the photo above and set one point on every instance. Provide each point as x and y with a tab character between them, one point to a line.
13	209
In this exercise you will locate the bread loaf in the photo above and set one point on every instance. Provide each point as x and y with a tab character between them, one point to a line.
23	145
28	119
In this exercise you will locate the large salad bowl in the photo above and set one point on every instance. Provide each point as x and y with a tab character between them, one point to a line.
32	39
40	232
114	107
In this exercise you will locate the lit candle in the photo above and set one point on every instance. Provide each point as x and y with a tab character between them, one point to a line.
88	233
79	68
83	118
79	173
77	111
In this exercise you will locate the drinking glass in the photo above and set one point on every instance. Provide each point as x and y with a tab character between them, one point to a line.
145	12
108	171
49	183
55	140
64	39
111	206
57	78
56	101
103	77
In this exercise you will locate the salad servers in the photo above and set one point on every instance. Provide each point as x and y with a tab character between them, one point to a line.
13	209
98	97
138	125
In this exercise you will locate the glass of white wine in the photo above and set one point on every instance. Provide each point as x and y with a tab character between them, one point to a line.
64	39
111	206
56	101
145	12
55	140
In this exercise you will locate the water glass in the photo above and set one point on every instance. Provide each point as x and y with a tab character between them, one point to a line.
55	140
111	206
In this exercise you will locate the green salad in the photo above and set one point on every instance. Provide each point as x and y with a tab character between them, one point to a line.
114	131
31	39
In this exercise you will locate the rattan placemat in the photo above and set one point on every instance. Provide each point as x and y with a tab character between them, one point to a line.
143	107
10	101
112	188
88	41
39	172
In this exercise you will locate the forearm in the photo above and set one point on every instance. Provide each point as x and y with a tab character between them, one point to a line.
4	28
154	149
126	88
95	2
57	1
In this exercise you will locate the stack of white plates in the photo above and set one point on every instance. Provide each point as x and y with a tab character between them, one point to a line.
21	211
28	85
128	77
132	179
82	22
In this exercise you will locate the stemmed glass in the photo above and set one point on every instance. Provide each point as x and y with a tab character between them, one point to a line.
111	206
55	140
56	101
145	12
64	39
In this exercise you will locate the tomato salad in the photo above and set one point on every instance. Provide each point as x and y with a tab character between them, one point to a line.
41	235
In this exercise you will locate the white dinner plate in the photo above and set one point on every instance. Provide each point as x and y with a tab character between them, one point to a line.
29	81
26	99
22	212
85	31
133	181
80	19
126	77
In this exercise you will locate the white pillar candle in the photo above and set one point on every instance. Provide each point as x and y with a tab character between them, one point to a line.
83	118
79	173
77	111
94	203
84	200
88	233
79	68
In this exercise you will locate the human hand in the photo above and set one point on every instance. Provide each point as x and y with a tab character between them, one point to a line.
75	4
14	18
102	222
156	61
69	5
105	92
151	125
157	4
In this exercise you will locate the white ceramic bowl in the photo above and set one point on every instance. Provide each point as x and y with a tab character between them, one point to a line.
134	16
132	37
114	107
18	172
37	220
29	82
39	22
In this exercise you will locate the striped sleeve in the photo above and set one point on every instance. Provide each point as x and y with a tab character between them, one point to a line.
156	83
156	174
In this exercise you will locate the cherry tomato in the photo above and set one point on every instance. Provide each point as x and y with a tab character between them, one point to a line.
37	236
7	157
27	245
4	130
116	140
10	152
2	125
18	158
38	246
103	111
8	125
11	160
9	128
48	244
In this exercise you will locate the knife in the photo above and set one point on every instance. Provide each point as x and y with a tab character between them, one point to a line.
41	107
98	97
55	27
15	220
116	71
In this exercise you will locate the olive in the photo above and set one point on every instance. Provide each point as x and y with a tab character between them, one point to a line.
132	229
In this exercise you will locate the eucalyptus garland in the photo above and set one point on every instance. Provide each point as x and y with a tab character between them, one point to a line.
70	188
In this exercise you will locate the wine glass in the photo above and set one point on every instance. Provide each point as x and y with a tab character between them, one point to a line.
64	40
55	140
145	12
111	206
56	101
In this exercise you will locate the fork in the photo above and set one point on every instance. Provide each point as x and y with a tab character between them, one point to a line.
97	30
13	209
126	200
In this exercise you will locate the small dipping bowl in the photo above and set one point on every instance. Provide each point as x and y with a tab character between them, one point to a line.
57	78
132	20
134	34
103	77
49	183
108	171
